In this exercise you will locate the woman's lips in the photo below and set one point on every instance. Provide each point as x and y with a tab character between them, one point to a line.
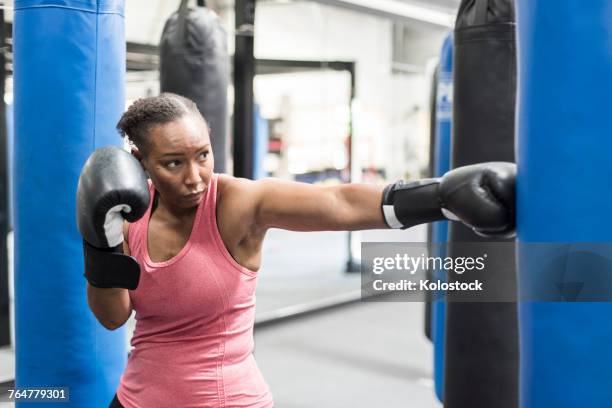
195	196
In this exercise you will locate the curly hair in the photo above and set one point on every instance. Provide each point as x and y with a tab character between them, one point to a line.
144	113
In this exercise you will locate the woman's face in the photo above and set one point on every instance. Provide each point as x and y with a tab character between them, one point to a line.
180	161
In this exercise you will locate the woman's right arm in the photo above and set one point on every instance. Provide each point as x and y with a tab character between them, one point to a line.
111	182
112	307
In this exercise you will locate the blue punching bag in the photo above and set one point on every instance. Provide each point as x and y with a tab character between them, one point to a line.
441	159
563	193
69	65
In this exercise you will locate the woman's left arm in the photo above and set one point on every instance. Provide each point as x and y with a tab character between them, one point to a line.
306	207
482	196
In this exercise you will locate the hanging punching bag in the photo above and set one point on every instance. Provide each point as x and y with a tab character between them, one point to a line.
194	63
563	194
69	76
481	357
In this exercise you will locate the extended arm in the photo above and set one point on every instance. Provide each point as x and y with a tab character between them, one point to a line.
306	207
481	196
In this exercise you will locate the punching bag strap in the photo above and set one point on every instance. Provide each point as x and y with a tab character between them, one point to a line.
182	16
480	12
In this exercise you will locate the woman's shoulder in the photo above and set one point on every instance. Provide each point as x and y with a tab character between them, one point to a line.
237	187
237	195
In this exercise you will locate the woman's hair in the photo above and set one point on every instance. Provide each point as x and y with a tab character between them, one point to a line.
144	113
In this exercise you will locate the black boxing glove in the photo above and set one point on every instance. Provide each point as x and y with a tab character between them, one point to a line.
482	196
112	187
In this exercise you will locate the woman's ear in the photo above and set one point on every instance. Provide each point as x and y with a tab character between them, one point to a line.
138	155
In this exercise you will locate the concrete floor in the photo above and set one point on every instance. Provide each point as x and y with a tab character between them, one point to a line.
362	355
300	267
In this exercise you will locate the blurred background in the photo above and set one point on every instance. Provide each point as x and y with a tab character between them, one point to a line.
341	93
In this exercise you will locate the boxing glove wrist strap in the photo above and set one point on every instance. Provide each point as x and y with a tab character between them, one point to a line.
110	268
408	204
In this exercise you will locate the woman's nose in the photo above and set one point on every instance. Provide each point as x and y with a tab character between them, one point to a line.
193	175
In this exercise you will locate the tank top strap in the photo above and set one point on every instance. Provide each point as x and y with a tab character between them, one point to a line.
210	210
206	210
138	228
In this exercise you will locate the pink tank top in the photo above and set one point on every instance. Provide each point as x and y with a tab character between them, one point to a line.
193	342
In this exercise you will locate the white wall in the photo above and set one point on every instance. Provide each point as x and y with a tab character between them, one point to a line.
391	118
314	106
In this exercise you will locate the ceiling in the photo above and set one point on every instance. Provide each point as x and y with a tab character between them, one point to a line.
145	19
450	5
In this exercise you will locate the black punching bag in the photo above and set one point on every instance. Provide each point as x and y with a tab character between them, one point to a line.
481	354
194	63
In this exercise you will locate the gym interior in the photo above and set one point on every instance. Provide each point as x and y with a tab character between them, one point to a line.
327	93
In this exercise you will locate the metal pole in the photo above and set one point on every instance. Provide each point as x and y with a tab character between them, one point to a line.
244	71
351	264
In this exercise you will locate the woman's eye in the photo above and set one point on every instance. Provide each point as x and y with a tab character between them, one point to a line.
204	154
172	164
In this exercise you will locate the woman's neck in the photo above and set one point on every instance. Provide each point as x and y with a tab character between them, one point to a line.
168	213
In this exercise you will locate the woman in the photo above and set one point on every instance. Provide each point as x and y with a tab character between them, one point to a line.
196	238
